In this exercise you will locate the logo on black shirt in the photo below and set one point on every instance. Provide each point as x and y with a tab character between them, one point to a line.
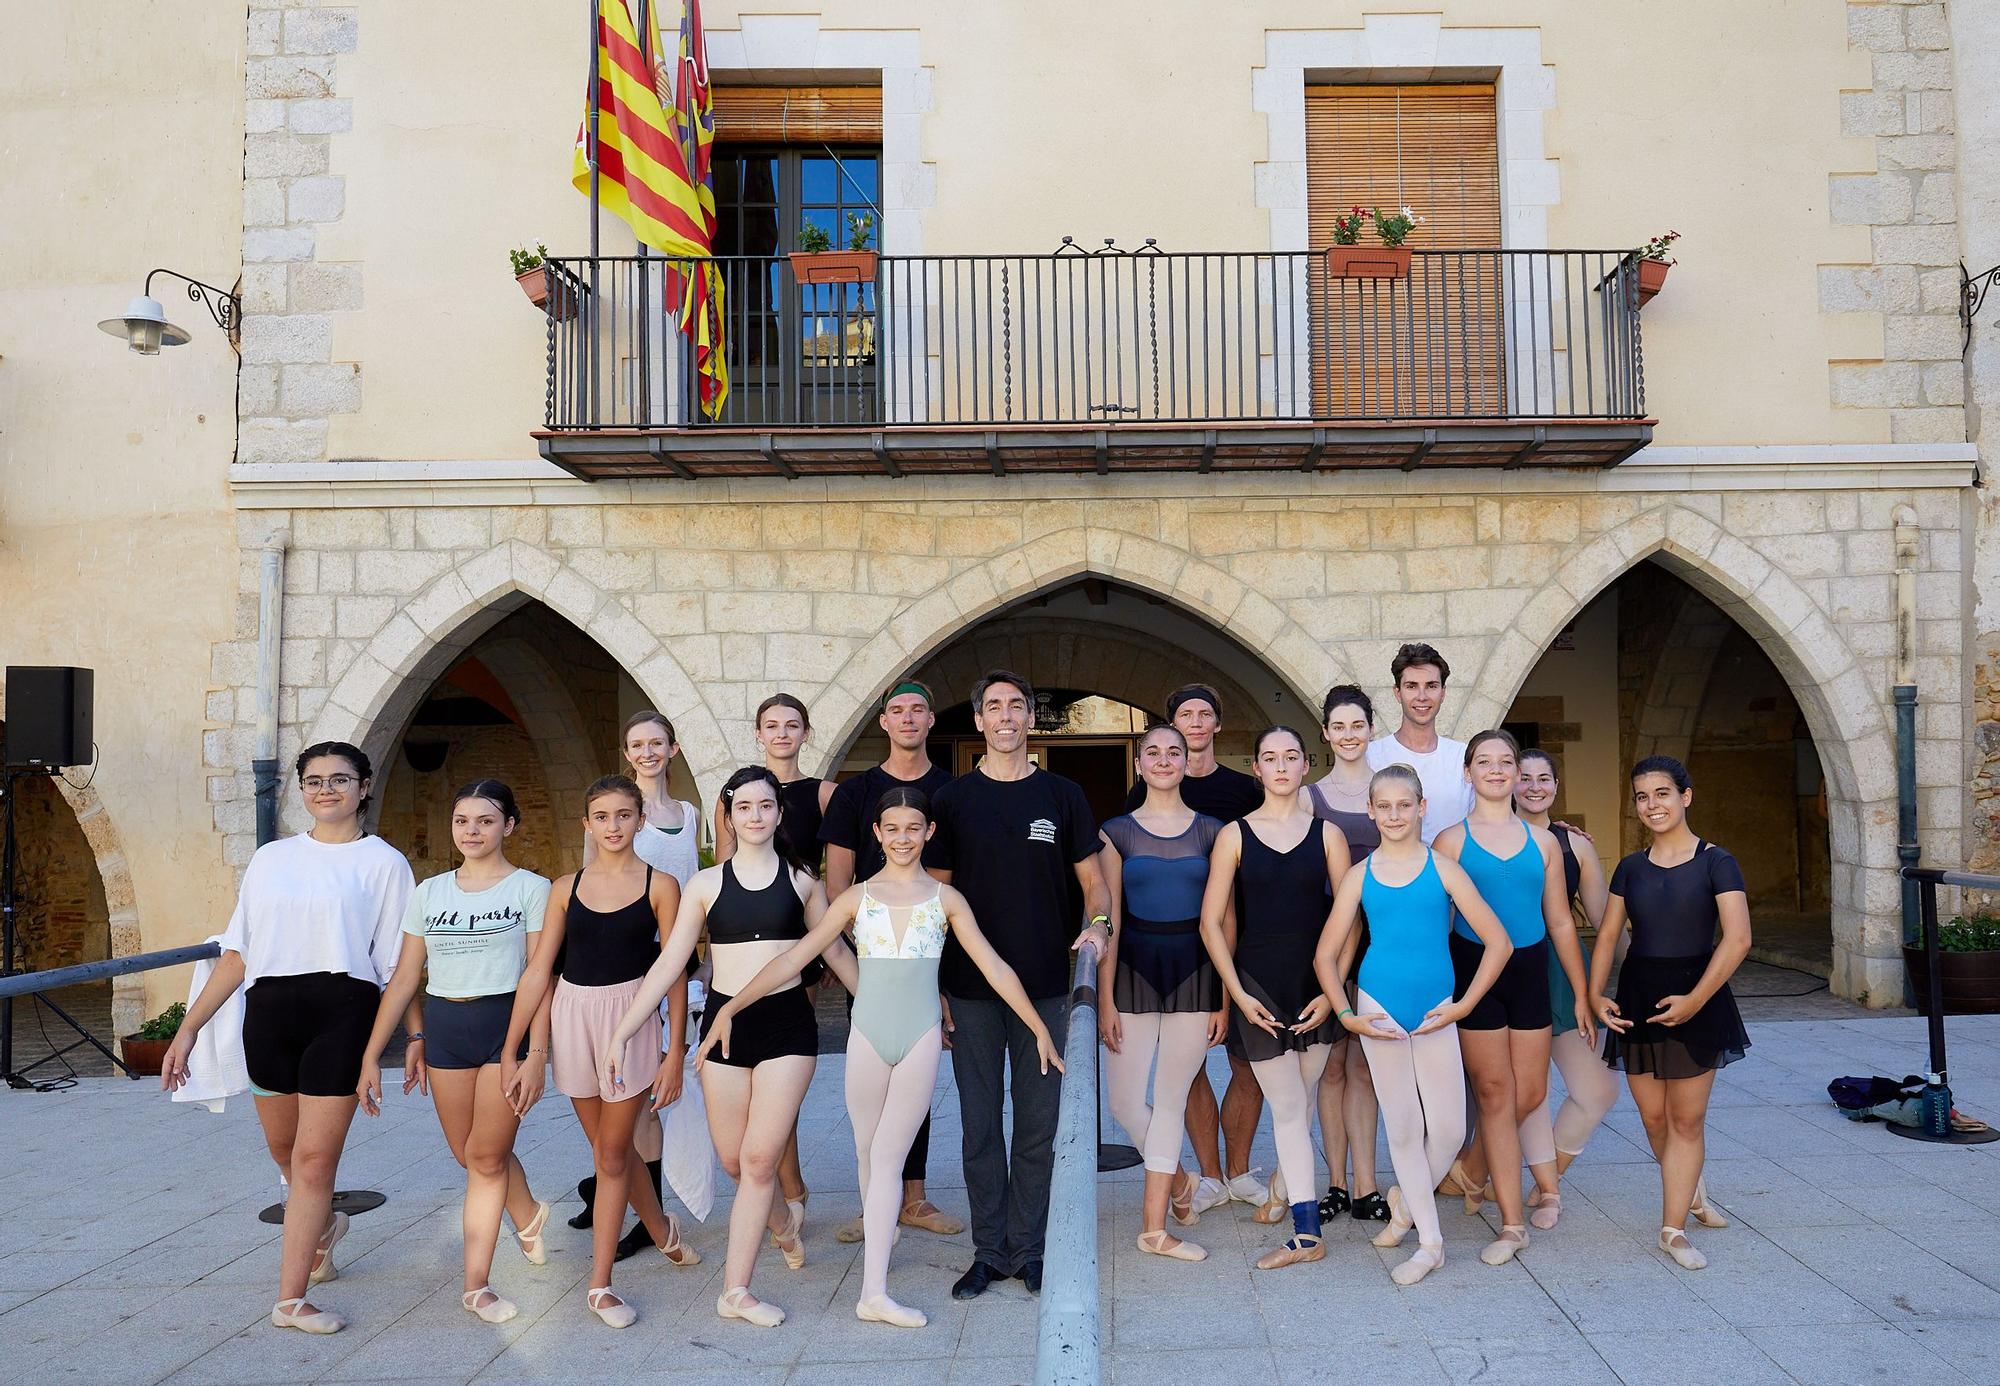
1042	830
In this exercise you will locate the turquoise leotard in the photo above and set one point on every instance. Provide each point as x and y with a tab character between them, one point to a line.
1511	886
897	999
1407	968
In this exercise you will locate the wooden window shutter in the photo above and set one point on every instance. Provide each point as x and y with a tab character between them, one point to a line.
798	115
1431	346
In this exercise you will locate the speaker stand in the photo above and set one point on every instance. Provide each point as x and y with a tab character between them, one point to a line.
18	1078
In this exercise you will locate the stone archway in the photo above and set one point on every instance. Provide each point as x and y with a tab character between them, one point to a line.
114	876
914	632
375	695
1842	711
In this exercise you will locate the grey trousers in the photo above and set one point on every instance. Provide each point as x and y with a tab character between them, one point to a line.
1008	1191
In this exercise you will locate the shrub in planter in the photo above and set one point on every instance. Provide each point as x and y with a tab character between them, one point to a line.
817	262
1347	258
144	1051
1968	967
532	274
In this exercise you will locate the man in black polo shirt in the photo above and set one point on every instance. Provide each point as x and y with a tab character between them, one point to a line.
1013	839
853	854
1220	792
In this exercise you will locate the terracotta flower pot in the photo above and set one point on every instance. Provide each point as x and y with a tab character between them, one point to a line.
834	266
1652	276
1969	983
1368	262
555	300
143	1056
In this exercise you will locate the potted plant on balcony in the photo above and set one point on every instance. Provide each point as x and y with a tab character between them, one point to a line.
1652	264
1346	258
817	262
532	274
1968	967
144	1051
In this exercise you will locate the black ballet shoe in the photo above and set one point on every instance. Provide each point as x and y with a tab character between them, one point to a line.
1370	1208
586	1190
634	1242
1335	1203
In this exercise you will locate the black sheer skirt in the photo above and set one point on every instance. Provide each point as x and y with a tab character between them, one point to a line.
1278	972
1713	1037
1163	969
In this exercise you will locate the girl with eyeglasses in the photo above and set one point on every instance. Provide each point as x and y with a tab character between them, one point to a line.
316	936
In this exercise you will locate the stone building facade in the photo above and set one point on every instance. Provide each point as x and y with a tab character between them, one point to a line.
1808	380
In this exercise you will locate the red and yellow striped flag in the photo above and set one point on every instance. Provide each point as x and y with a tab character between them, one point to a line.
653	171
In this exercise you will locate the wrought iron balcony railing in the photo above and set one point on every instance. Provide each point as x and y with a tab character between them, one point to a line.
1470	338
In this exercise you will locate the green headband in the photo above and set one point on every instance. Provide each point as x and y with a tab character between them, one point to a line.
906	686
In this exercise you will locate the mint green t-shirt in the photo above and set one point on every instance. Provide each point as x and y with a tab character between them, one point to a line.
476	942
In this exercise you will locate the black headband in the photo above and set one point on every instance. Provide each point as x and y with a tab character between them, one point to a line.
1193	695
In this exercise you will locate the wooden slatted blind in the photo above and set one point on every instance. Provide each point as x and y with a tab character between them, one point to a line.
780	115
1433	345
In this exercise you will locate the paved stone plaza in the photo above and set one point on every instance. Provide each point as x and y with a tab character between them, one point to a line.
130	1252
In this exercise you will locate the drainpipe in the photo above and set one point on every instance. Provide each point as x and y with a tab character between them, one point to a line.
1905	693
270	629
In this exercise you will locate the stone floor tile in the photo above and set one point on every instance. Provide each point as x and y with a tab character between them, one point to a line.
1697	1354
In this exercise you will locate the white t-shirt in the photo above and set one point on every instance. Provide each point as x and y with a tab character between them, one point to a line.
309	906
476	942
1447	793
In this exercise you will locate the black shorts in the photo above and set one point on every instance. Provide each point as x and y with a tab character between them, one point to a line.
306	1034
1519	1000
773	1027
467	1033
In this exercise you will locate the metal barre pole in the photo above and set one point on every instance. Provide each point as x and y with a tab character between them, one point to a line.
26	983
1066	1352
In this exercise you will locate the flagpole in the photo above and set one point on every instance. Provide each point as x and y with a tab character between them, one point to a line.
590	156
644	315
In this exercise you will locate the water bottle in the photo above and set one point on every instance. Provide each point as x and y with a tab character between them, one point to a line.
1936	1106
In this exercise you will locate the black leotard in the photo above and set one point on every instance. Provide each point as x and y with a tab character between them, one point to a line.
1672	908
603	948
800	800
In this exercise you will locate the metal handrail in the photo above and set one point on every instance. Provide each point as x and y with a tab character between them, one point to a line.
1477	334
27	983
1066	1351
1928	879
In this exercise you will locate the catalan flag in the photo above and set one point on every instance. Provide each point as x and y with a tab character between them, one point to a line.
654	167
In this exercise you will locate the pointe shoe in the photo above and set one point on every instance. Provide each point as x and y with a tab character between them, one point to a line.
1155	1244
1427	1259
1505	1247
285	1314
1247	1187
1547	1207
678	1252
739	1303
1704	1212
1274	1208
788	1241
496	1310
1180	1205
1400	1222
922	1213
1675	1243
615	1312
530	1237
882	1309
323	1268
850	1231
1302	1246
1209	1193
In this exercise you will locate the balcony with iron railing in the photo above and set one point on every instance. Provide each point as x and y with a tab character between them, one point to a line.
1100	362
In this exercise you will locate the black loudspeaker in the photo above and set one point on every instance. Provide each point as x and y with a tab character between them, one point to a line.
49	721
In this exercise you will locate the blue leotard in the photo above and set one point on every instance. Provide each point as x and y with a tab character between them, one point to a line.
1511	886
1407	968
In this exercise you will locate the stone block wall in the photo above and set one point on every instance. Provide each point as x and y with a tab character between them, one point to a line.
289	385
1908	202
708	605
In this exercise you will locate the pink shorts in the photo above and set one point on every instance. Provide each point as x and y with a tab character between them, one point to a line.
581	1023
